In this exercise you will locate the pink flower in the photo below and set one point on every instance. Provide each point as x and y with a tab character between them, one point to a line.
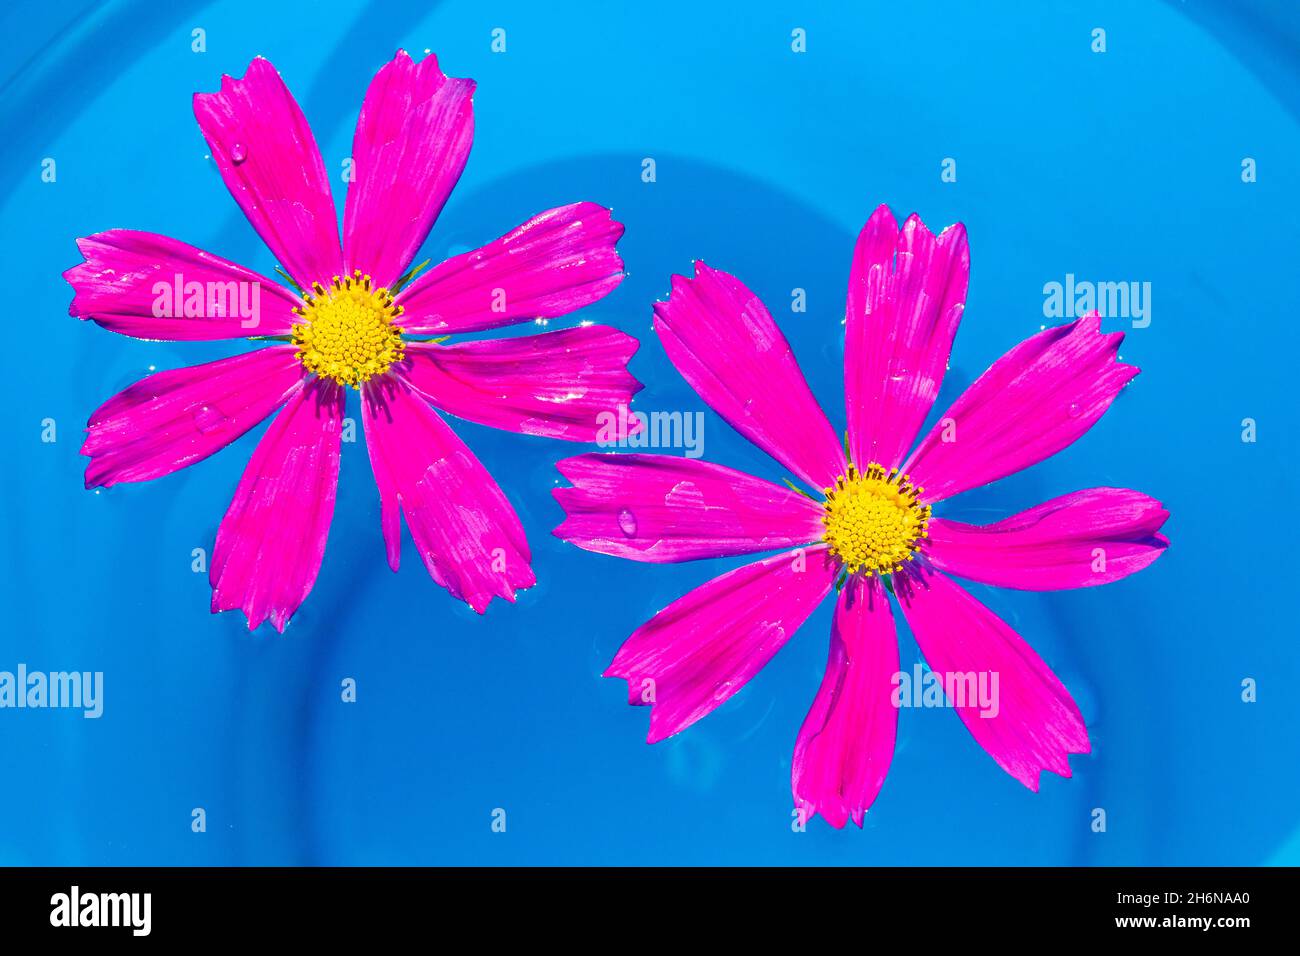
874	529
360	324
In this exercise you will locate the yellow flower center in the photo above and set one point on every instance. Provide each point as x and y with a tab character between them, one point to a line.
873	521
347	331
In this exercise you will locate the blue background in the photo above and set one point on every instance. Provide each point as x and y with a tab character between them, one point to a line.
1117	166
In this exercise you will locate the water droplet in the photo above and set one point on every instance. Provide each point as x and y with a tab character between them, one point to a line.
207	419
1074	410
687	495
627	522
238	153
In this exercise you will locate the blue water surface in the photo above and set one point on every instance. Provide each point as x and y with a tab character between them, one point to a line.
1122	165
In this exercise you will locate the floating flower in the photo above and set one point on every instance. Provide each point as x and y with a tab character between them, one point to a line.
872	532
355	319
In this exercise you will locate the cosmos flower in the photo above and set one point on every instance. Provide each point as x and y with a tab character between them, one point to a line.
354	319
869	533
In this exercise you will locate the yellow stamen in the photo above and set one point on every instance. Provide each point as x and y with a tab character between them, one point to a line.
348	331
873	520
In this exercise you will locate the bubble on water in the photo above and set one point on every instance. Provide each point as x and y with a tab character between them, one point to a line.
238	153
627	522
1085	697
695	760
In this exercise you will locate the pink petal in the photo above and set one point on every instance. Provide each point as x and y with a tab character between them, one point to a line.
469	537
130	280
705	646
272	540
728	348
659	508
172	419
558	261
1032	723
846	742
907	291
411	144
269	161
1074	541
562	384
1035	400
